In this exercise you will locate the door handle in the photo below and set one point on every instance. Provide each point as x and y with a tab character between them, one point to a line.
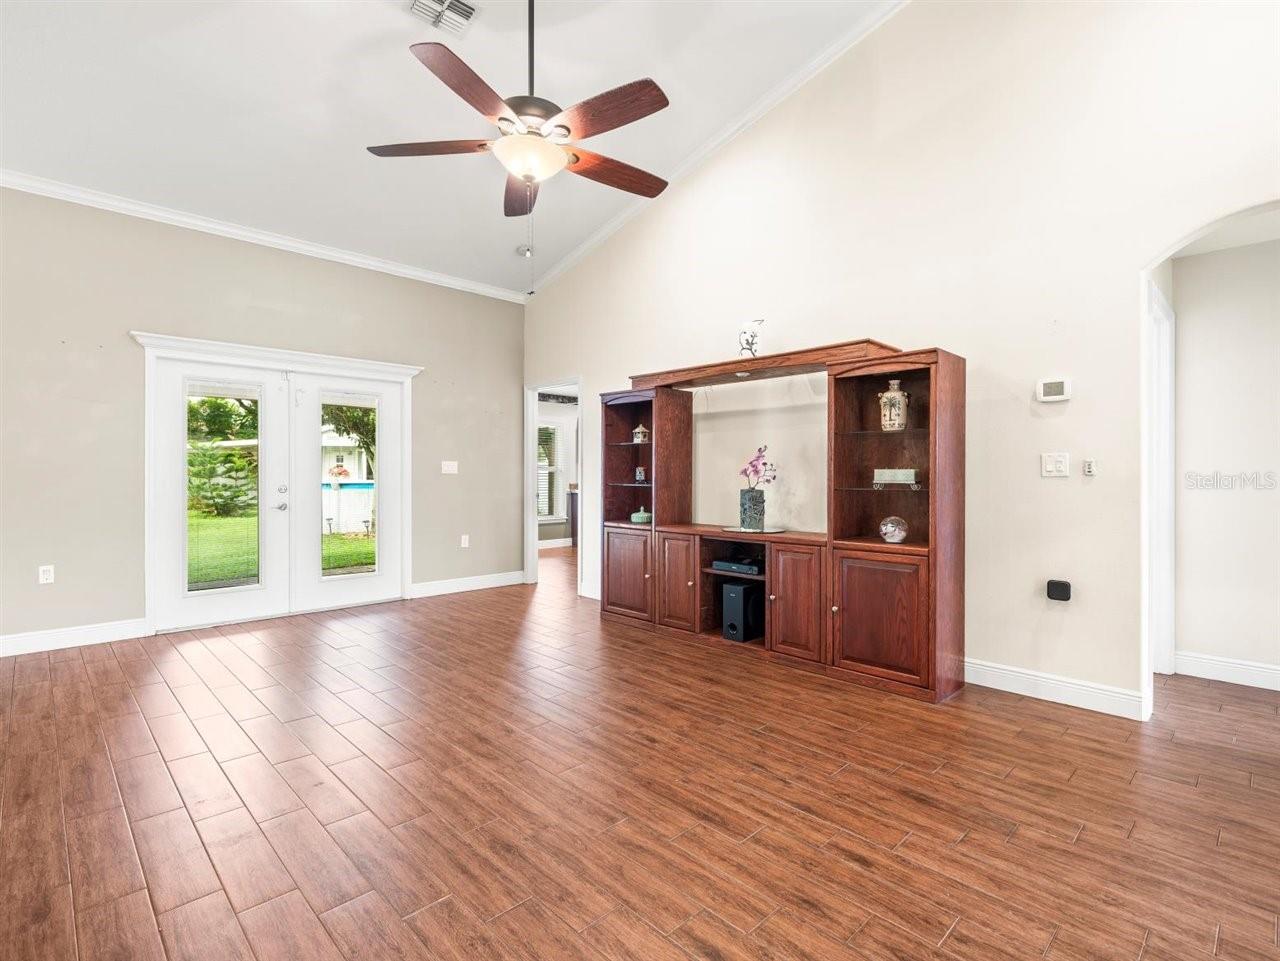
282	507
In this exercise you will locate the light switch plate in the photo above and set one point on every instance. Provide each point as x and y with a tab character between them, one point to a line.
1056	464
448	467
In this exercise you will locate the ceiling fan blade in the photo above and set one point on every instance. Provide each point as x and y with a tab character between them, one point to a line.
519	198
431	148
613	173
462	80
610	110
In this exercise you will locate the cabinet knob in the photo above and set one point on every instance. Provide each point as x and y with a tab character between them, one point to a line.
834	609
773	597
691	583
647	576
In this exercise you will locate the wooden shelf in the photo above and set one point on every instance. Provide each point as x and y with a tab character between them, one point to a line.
879	544
630	443
712	532
620	484
720	573
631	524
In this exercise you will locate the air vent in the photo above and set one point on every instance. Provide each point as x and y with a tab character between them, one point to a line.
451	16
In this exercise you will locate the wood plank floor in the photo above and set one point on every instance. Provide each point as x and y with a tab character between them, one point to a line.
498	775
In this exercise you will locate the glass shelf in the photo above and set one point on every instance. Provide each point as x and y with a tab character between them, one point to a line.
886	489
630	443
615	484
882	433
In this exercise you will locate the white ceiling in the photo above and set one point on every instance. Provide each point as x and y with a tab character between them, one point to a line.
257	114
1239	231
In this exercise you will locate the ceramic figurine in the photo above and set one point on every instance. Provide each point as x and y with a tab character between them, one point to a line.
640	435
639	475
893	407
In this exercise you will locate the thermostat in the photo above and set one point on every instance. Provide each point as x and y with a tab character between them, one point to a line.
1053	390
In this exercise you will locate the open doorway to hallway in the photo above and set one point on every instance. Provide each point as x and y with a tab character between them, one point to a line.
1214	319
552	515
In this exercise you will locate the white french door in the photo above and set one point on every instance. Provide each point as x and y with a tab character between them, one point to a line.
346	527
272	490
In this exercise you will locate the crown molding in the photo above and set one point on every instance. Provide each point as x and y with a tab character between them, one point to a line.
27	183
886	9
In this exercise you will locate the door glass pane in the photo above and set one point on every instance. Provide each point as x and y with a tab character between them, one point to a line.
222	487
348	485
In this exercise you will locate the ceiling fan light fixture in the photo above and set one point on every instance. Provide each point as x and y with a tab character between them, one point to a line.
529	156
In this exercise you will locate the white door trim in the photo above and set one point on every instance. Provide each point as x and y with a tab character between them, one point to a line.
158	347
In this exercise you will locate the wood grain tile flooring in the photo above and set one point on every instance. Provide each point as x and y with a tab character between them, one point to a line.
499	776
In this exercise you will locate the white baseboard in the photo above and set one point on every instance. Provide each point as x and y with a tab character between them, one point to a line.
31	642
458	584
1054	687
1229	669
557	542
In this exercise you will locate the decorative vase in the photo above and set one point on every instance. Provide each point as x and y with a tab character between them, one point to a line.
641	516
751	508
893	407
893	529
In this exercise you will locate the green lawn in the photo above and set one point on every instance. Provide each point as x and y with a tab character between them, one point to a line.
221	549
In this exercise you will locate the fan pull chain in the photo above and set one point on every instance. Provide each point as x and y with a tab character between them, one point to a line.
528	192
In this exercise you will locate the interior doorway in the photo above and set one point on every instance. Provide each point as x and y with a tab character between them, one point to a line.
1211	437
553	509
277	482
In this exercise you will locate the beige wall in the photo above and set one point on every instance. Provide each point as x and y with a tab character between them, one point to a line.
1227	422
790	417
987	178
75	280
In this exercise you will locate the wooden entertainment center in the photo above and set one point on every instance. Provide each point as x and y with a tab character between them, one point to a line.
843	602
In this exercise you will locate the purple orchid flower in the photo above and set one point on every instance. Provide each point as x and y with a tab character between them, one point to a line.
759	471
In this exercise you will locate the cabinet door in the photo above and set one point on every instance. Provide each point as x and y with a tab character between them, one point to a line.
795	620
626	572
677	581
881	618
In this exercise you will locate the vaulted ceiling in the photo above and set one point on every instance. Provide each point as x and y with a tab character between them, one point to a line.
257	115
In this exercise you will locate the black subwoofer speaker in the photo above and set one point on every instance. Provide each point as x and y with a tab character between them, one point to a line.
743	611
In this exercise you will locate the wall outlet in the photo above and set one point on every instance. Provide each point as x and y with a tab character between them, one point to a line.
44	574
1055	465
464	541
448	467
1090	467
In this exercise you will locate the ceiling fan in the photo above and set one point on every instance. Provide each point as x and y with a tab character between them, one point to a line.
536	135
